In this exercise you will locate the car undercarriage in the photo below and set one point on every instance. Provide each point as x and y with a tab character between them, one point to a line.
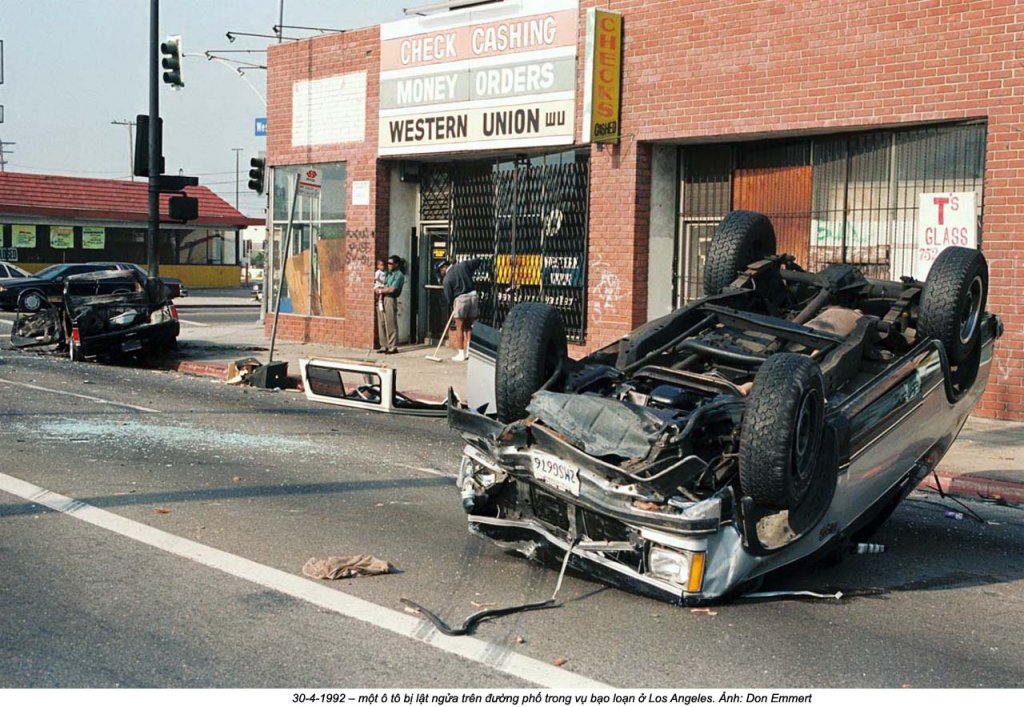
778	418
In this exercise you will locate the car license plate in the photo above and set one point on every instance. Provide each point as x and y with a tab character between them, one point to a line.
133	345
557	473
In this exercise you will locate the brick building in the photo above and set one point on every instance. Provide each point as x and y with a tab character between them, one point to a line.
435	137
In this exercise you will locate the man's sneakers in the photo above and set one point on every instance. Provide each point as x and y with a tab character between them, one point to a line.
460	356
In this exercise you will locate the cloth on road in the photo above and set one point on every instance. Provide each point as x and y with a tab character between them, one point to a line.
346	566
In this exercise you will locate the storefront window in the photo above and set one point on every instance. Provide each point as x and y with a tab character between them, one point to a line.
850	198
316	256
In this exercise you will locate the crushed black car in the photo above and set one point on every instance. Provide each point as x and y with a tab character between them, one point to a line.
779	418
102	314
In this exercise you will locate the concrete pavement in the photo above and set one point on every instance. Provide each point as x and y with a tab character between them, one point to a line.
986	462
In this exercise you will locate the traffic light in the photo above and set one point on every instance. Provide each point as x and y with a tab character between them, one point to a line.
171	49
183	208
256	173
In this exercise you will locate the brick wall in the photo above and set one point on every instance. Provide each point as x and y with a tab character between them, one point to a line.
318	58
715	69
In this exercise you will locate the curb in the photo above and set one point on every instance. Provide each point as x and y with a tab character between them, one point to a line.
255	305
198	368
977	487
216	370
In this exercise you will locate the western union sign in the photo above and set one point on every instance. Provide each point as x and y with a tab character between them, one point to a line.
491	76
602	81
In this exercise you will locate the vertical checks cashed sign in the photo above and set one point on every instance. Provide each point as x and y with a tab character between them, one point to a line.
486	77
602	80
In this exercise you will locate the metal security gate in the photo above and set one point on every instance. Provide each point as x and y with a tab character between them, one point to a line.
528	222
848	198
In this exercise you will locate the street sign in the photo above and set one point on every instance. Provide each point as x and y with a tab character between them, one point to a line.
310	182
261	127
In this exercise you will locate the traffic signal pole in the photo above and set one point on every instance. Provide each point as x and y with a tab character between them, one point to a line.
153	232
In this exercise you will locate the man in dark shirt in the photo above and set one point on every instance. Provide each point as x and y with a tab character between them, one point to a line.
461	295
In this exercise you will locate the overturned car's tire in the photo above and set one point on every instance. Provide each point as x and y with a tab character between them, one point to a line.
953	301
530	349
740	239
782	430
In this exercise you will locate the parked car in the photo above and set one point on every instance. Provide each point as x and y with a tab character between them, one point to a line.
175	287
779	418
32	293
9	270
99	316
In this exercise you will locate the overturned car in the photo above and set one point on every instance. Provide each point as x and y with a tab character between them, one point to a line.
779	418
105	313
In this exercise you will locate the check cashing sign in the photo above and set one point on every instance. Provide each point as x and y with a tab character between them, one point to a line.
488	77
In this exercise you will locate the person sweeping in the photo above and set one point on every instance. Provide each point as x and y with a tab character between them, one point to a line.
461	295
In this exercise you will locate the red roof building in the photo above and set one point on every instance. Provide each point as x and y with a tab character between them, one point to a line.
106	200
48	219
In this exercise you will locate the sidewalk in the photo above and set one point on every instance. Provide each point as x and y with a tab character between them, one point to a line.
218	297
986	461
208	351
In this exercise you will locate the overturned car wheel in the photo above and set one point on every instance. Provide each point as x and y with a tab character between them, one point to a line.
741	238
953	301
530	350
782	430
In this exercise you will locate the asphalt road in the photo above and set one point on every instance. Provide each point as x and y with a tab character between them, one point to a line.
246	485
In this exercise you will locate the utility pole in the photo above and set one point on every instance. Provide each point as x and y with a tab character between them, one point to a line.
153	231
236	150
280	21
131	144
3	154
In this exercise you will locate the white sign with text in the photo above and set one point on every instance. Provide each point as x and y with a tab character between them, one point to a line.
944	219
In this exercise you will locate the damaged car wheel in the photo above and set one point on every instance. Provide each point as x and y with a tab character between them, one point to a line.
531	349
782	431
742	237
953	301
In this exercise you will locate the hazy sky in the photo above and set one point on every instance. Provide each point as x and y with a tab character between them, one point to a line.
73	66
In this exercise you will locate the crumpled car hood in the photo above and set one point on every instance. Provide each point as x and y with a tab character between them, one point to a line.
601	426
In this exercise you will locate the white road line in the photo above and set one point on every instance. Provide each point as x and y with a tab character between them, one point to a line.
191	322
494	656
428	470
8	322
78	395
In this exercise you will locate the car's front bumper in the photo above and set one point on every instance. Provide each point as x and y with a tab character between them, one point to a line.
142	339
536	542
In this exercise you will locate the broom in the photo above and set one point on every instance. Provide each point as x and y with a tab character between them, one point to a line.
434	356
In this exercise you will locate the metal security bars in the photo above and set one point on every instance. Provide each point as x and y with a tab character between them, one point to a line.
848	198
528	223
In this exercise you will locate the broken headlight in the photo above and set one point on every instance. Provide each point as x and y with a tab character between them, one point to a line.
683	568
164	314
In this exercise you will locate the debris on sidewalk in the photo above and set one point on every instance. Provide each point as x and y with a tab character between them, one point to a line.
240	371
346	566
364	387
162	510
559	662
